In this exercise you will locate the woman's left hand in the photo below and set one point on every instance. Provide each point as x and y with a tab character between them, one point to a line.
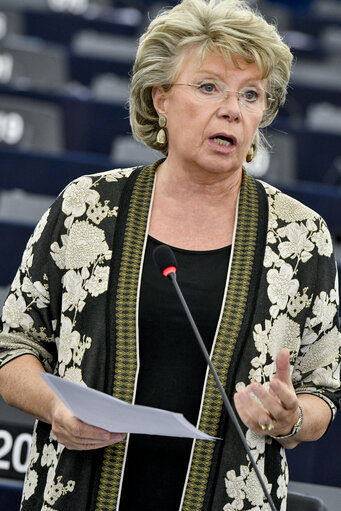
280	411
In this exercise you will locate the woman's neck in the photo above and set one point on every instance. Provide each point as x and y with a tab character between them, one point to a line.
191	184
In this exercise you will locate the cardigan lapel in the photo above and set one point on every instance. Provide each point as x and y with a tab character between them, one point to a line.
126	272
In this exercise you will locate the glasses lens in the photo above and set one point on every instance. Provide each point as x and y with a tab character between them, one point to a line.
209	90
252	98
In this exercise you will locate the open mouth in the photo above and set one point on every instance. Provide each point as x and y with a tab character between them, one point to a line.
223	140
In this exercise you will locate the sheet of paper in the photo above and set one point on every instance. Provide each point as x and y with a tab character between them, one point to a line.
112	414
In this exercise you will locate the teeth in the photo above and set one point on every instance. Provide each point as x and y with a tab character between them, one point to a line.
222	141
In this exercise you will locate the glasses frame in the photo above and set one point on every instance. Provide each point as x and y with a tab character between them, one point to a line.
227	92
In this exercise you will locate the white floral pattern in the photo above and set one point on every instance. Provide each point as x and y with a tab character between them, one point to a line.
14	313
282	286
78	195
98	281
294	233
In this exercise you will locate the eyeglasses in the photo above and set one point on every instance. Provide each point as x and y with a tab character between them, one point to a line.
254	99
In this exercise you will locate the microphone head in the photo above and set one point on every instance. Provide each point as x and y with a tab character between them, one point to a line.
164	259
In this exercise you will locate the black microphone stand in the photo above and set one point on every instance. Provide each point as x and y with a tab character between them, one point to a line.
227	404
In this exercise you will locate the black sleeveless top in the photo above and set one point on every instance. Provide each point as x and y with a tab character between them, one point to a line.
172	370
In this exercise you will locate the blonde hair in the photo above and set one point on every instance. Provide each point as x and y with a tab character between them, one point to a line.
224	27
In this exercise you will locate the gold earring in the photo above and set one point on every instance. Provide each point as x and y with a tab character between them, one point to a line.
250	154
161	137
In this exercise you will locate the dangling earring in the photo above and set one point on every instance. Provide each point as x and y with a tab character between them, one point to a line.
161	137
250	154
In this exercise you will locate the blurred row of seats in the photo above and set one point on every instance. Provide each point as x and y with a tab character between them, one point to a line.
72	50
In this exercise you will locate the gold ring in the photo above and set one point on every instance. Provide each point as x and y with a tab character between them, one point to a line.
267	427
270	426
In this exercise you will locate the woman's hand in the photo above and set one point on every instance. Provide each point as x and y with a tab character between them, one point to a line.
76	435
280	411
22	387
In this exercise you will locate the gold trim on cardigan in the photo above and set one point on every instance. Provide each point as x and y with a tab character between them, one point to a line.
126	354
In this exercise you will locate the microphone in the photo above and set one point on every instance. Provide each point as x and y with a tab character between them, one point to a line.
165	260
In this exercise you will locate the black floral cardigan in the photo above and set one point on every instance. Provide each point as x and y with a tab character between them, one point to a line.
73	304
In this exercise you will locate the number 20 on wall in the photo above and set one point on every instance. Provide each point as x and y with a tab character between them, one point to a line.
14	452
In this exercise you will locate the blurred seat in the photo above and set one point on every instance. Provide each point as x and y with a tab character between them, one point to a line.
110	87
19	206
299	502
11	22
97	58
24	4
16	236
314	148
68	6
301	96
331	39
92	43
330	9
23	59
10	495
85	69
293	5
30	124
323	75
44	173
318	155
318	462
75	6
324	117
126	151
305	46
312	22
47	24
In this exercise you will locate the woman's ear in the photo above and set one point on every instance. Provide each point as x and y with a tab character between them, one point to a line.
159	99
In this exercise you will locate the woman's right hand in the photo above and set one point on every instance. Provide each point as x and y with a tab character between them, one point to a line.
21	386
77	435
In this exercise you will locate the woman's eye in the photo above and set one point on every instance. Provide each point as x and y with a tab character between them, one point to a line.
250	95
208	88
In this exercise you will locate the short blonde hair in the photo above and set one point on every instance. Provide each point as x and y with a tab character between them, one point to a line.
225	27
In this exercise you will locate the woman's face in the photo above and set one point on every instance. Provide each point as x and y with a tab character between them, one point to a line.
212	136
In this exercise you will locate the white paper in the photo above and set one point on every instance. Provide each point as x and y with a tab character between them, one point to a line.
112	414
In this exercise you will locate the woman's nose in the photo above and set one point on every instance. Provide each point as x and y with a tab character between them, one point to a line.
230	106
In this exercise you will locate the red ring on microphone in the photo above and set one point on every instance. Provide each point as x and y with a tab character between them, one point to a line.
168	270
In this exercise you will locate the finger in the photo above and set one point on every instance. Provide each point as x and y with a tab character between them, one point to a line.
80	429
284	411
68	429
270	401
286	394
86	444
250	412
283	366
276	403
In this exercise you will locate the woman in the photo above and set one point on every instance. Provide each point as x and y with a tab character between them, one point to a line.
255	266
